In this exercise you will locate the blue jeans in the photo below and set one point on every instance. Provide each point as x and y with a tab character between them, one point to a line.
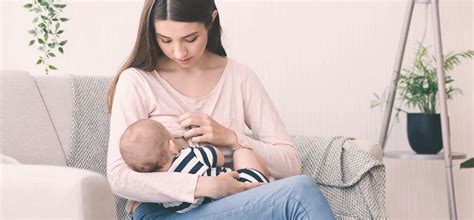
296	197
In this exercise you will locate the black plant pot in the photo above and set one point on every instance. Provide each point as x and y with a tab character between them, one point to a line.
424	133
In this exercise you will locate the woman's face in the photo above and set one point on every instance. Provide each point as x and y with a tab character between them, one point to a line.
182	42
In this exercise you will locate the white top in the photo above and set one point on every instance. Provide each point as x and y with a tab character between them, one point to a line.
238	100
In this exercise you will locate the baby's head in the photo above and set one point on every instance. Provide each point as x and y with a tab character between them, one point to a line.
146	146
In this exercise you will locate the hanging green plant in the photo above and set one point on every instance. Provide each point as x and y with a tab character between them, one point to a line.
46	32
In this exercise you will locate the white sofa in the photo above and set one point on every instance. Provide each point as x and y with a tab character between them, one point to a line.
35	118
36	115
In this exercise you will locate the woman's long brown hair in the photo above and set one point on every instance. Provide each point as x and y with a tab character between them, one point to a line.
146	52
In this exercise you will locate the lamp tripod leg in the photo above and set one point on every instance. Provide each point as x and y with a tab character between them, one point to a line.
396	71
444	109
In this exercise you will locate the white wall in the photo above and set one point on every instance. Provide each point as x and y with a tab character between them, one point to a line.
100	36
319	60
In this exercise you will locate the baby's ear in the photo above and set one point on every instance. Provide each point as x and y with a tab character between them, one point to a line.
173	146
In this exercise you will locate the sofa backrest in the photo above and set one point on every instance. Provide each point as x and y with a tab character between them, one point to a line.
35	117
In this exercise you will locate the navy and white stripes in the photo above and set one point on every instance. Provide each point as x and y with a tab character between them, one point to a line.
202	161
251	175
195	160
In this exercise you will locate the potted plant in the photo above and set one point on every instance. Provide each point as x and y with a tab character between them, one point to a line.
417	88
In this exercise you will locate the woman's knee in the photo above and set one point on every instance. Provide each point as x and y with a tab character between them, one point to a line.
302	186
302	182
304	195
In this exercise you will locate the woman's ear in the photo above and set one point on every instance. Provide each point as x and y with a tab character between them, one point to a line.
214	15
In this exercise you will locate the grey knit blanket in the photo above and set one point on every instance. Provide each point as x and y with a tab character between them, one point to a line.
351	179
91	127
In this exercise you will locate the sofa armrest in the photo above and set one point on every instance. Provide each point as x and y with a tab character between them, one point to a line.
372	148
54	192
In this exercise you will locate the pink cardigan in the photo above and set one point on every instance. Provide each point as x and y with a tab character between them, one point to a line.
238	100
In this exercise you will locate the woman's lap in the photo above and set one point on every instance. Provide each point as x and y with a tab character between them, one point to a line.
295	197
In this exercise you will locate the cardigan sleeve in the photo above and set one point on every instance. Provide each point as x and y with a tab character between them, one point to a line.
271	141
132	102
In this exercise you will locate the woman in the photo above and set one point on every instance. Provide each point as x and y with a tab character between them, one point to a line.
178	74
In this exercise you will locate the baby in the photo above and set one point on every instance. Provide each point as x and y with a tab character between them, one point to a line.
146	146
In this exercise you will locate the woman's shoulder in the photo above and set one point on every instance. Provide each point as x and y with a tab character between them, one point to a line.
242	73
134	72
135	75
241	70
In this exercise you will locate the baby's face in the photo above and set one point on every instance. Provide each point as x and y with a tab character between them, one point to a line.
172	151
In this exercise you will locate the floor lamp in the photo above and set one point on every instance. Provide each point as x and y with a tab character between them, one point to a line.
442	93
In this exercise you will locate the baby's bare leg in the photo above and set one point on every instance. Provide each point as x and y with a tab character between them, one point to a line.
247	158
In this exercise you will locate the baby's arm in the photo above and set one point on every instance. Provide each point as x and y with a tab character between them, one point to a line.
220	157
247	158
209	155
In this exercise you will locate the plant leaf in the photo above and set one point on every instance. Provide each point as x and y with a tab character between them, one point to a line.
59	6
61	50
51	54
51	11
51	45
36	10
41	41
64	19
31	32
62	43
39	61
60	32
52	67
28	6
468	163
31	43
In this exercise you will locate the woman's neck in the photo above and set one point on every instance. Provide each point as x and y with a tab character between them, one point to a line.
204	63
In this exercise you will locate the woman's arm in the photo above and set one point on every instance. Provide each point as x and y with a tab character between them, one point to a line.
273	147
131	103
225	184
271	142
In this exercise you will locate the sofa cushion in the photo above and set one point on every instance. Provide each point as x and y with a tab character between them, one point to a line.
54	192
26	131
4	159
57	95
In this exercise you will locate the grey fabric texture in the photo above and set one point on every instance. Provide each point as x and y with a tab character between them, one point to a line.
351	179
90	128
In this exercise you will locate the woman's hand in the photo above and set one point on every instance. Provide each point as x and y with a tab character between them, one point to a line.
225	184
204	129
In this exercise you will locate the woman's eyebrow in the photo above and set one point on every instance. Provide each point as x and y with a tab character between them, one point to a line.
189	35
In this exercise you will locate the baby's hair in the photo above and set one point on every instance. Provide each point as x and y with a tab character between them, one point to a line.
144	146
